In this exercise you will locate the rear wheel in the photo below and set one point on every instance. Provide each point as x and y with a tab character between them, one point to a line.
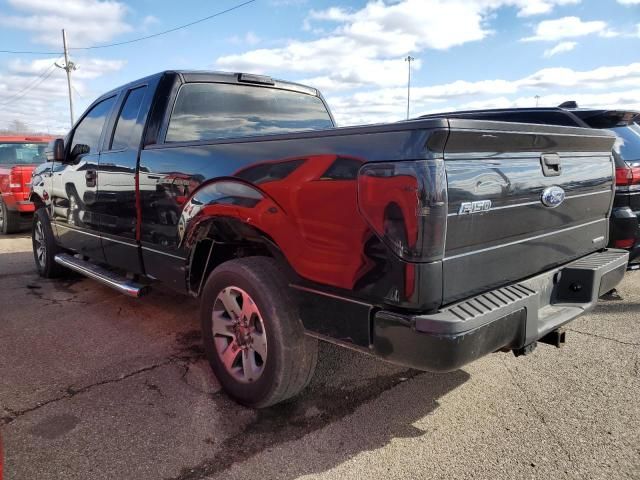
252	334
9	221
45	247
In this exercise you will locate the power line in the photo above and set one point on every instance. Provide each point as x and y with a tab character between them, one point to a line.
49	71
25	91
77	92
29	84
126	42
29	52
222	12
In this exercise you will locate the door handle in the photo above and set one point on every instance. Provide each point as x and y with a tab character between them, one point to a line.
91	176
551	166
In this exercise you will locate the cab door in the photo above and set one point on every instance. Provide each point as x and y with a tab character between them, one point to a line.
116	201
75	184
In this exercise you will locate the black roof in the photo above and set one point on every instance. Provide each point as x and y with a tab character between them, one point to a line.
194	76
581	117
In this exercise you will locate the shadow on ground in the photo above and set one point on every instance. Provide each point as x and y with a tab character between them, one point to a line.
104	354
323	403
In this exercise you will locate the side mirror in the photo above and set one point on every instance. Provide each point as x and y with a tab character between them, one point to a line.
55	150
79	149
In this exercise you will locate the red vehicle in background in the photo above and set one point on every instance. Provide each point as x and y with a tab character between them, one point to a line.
19	155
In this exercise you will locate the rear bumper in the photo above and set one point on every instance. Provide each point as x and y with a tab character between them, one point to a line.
509	317
15	203
25	207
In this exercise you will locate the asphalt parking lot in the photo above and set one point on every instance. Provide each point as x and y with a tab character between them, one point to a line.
94	385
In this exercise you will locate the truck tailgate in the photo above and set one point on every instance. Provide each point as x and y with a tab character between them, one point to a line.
499	229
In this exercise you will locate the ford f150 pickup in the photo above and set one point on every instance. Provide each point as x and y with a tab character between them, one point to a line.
18	157
428	243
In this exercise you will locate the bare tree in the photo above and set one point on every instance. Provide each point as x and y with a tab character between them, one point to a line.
18	126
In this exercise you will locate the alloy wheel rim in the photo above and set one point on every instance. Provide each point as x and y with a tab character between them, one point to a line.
40	247
239	335
1	216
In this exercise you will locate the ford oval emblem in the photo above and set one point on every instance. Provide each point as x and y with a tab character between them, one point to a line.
552	196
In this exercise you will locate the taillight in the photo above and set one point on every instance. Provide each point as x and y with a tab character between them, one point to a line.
15	181
626	176
626	243
405	203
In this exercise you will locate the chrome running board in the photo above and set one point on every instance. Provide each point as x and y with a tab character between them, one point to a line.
106	277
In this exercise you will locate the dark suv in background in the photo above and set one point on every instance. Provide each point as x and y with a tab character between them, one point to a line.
625	217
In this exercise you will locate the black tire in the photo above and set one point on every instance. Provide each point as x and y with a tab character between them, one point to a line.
291	356
42	236
9	221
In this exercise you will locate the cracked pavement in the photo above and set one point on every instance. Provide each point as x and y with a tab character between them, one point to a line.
94	385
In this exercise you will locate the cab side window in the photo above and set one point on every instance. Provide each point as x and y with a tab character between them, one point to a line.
128	133
342	169
86	137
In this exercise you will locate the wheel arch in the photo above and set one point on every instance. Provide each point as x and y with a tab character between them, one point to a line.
219	239
229	218
36	199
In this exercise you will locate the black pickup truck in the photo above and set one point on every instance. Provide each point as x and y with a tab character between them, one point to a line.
428	243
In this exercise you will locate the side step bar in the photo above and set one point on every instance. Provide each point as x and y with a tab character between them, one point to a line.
106	277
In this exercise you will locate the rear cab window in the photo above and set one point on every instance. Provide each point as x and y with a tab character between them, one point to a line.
212	111
21	153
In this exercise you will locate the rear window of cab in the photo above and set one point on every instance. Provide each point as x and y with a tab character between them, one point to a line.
21	153
210	111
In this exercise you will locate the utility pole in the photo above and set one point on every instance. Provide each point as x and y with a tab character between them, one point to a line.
537	97
68	67
409	59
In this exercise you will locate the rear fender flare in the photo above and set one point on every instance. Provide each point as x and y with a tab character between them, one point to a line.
238	217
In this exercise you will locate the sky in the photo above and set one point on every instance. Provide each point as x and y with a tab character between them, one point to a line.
468	53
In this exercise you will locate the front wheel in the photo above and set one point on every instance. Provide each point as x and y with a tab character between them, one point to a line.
45	247
252	333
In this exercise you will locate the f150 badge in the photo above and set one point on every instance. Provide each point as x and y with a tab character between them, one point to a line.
552	196
467	208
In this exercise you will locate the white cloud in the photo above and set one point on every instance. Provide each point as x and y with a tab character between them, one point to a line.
562	47
365	47
149	21
568	27
287	3
388	104
629	2
249	38
335	14
35	92
87	22
91	68
538	7
627	99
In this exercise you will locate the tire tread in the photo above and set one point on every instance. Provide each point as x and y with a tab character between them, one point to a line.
299	352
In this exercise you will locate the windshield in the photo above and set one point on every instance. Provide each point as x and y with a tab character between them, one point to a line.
19	153
628	142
